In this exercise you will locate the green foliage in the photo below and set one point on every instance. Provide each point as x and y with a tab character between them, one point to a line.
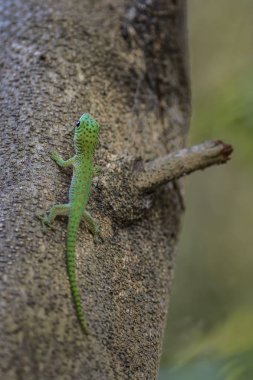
232	337
225	353
227	111
209	333
237	367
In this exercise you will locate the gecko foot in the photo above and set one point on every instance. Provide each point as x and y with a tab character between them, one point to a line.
98	238
45	223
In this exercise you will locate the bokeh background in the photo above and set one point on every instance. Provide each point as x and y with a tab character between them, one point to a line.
210	323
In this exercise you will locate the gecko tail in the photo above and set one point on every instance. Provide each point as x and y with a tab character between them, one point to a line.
71	243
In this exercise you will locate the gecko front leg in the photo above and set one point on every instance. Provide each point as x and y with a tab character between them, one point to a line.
60	161
97	170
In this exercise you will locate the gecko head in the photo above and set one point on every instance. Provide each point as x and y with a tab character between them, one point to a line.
86	133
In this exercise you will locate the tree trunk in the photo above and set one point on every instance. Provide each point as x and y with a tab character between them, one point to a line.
127	66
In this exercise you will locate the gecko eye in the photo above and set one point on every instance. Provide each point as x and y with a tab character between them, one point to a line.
78	123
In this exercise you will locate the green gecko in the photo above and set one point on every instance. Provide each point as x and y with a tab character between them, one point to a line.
85	141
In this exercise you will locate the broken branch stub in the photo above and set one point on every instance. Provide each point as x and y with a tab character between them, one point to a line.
129	184
178	164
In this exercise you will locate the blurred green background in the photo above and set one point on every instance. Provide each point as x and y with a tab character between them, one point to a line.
210	323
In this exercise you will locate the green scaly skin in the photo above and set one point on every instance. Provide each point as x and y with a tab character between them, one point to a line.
85	141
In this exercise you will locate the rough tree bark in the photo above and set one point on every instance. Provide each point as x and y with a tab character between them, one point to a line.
125	62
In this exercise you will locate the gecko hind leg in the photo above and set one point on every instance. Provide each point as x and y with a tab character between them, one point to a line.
91	223
61	209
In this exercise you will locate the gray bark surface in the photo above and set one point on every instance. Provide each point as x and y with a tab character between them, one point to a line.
125	63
